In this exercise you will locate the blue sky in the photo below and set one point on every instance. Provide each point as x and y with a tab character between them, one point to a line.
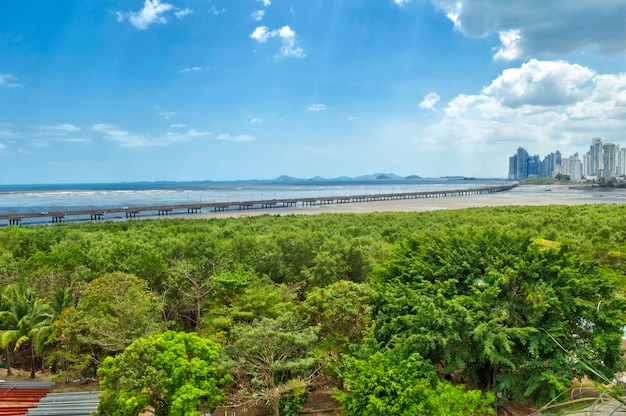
146	90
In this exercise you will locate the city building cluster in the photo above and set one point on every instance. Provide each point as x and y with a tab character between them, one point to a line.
603	161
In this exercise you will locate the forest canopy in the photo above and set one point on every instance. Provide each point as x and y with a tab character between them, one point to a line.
505	302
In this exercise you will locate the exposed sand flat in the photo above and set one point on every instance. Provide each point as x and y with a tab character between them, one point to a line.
522	195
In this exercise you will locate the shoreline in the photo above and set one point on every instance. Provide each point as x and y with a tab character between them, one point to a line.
529	195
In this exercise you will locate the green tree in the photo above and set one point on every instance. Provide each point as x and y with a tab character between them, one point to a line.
343	310
398	382
261	299
490	304
170	374
58	301
112	312
276	354
22	320
119	308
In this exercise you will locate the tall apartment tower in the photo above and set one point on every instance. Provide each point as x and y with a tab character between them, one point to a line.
595	157
575	168
621	162
586	165
609	160
522	163
513	167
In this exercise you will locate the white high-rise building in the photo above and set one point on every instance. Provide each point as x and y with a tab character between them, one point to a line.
621	162
575	168
586	165
595	157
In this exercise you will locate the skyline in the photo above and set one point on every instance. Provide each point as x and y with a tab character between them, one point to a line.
192	90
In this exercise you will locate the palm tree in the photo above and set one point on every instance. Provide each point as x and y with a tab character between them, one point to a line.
22	320
4	324
58	300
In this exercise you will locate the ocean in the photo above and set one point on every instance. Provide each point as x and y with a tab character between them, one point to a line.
20	199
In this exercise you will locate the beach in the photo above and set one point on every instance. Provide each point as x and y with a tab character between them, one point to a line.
530	195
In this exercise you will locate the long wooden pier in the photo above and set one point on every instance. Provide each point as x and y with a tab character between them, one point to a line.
98	214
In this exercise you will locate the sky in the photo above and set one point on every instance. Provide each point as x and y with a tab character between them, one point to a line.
178	90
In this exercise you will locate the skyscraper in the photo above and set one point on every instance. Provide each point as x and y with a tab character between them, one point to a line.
609	160
595	156
513	167
522	163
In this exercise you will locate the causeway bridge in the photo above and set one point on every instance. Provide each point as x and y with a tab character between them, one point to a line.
98	214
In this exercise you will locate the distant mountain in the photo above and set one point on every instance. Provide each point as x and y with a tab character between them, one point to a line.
285	178
380	177
372	177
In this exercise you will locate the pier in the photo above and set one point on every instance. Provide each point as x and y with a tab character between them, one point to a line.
100	214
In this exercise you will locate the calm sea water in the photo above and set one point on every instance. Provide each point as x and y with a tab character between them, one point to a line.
15	199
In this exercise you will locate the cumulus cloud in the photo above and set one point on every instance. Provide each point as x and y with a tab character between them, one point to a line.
239	138
153	11
8	80
542	83
257	15
401	2
429	101
317	107
527	29
552	104
256	120
289	44
266	3
260	34
131	139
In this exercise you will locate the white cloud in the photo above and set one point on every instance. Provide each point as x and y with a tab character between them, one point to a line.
131	139
546	83
8	80
178	126
190	69
256	120
166	114
289	44
74	140
511	45
553	27
257	15
10	134
260	34
153	11
216	12
401	2
266	3
182	13
317	107
61	127
352	118
240	138
546	105
429	101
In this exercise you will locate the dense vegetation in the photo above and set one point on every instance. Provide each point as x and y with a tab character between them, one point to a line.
411	313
